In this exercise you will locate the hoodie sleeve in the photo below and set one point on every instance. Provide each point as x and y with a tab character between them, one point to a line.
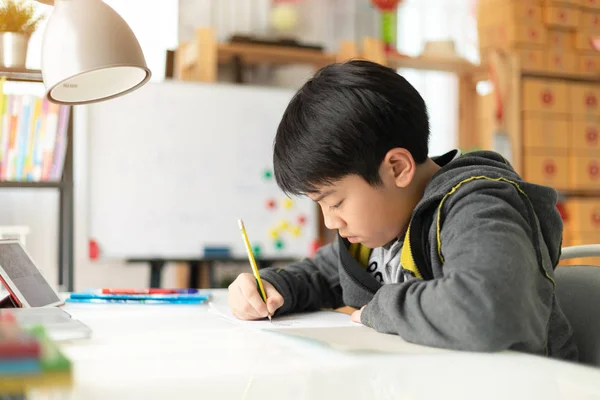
309	284
493	294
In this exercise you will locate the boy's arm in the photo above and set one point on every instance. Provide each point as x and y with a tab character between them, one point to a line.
493	294
309	284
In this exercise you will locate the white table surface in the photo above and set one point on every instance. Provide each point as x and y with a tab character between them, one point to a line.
169	352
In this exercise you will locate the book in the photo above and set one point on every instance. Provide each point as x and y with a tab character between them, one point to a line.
33	138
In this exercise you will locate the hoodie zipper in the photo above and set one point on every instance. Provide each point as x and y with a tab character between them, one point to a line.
357	281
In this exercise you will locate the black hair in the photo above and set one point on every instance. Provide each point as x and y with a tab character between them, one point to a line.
343	121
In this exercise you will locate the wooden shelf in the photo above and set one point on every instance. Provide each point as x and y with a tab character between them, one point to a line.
253	54
563	77
22	75
459	66
34	185
579	193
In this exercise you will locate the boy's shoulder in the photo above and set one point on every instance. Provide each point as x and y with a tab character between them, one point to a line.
457	169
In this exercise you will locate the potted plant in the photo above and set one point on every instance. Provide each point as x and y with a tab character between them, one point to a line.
18	21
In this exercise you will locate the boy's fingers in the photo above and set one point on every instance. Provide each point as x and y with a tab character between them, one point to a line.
274	303
252	296
274	299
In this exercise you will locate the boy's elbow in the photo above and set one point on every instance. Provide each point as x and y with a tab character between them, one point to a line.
499	335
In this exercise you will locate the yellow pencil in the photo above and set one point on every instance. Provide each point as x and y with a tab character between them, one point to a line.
253	262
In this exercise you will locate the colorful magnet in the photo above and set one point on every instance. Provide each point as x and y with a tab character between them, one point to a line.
288	203
271	204
296	231
267	174
274	233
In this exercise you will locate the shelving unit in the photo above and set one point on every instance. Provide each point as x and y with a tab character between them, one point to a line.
64	187
549	82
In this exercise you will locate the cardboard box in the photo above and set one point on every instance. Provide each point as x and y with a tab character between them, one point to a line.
509	12
547	170
583	42
590	4
584	100
584	215
588	65
562	62
546	133
532	60
585	135
511	36
561	16
559	39
545	96
584	169
589	21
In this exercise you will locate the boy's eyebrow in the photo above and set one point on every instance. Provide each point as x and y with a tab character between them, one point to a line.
324	194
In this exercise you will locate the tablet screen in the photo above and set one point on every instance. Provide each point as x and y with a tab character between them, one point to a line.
26	277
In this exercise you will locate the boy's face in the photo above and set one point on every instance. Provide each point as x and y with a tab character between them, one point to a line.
371	215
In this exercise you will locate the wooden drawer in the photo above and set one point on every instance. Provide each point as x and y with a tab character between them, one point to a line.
588	65
533	60
583	42
561	40
590	21
583	215
562	62
547	170
585	135
584	171
590	4
546	132
561	16
545	95
584	99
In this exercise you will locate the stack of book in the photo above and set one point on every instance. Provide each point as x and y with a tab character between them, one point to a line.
29	359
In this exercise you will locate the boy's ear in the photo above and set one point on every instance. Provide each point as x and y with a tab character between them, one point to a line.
399	166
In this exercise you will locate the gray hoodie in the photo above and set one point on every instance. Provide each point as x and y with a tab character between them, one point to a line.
483	245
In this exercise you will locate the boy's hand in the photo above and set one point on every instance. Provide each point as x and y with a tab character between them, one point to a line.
245	300
356	315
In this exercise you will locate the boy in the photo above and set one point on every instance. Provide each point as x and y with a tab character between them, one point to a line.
455	252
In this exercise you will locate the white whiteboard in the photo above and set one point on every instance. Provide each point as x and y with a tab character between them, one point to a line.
173	165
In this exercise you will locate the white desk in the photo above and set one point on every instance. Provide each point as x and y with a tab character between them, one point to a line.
170	352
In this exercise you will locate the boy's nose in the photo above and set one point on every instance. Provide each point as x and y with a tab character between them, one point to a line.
332	222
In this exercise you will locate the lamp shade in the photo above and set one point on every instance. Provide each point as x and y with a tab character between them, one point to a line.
90	54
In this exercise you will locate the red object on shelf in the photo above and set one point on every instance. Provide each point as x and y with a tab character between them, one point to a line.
386	5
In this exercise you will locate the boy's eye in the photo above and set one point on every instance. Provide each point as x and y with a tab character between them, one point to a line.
337	205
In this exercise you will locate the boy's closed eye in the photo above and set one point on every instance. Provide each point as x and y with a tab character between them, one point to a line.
336	206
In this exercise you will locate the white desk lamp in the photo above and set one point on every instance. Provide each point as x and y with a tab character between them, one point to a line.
89	53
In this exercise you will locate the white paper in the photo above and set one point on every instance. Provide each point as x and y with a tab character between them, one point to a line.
331	328
317	319
359	338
